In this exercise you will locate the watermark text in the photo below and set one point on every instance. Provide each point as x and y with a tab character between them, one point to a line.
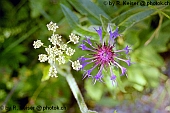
135	3
32	108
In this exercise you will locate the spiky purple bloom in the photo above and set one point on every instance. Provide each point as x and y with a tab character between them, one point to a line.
103	56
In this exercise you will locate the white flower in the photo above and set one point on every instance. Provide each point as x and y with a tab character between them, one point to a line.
55	39
37	44
52	26
51	58
57	51
61	60
70	51
74	38
76	65
42	57
49	50
63	46
52	72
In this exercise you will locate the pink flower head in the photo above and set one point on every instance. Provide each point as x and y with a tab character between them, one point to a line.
103	56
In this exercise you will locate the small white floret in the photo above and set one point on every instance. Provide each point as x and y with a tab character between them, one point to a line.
42	57
52	26
37	44
74	38
76	65
52	72
70	51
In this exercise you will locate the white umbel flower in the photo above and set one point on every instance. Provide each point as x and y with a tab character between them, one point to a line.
52	26
49	50
52	72
63	46
51	59
55	39
42	57
74	38
61	60
37	44
76	65
70	51
57	51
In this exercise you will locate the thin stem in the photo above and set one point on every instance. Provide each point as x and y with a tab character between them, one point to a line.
75	90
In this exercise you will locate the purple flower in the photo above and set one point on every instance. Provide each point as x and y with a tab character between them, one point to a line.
103	56
127	49
113	79
99	31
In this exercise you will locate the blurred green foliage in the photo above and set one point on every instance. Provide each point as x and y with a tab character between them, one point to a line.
145	28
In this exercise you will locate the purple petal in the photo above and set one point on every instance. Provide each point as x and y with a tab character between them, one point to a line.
123	70
113	77
82	59
115	33
87	40
127	49
111	34
99	31
84	47
98	77
127	61
85	63
88	72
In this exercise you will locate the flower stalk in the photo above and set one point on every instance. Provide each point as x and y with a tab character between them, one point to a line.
75	90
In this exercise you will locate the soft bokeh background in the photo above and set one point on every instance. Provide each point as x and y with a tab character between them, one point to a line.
146	29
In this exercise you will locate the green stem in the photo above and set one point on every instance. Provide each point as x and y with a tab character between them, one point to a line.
76	91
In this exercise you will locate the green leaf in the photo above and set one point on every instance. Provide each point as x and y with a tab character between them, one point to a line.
37	9
109	84
147	55
131	37
71	17
73	22
122	17
94	91
152	75
159	43
125	21
119	81
88	8
45	73
135	75
104	22
153	7
86	32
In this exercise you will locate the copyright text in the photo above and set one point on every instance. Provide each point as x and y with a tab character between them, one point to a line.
30	108
133	3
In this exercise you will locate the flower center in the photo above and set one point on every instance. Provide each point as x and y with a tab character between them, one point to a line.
104	55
